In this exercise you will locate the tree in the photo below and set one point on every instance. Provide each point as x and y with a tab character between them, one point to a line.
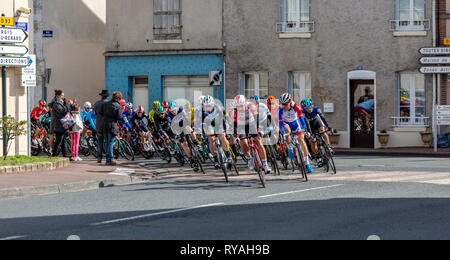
12	128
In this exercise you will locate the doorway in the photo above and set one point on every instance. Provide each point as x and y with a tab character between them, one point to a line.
140	92
362	114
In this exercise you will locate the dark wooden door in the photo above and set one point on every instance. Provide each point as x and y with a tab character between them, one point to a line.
362	127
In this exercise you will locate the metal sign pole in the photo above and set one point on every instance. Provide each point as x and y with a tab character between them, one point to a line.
4	105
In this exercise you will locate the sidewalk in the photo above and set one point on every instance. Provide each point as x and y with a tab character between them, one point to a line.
400	151
86	175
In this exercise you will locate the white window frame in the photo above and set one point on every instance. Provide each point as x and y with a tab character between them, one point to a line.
257	84
413	119
411	24
298	26
303	87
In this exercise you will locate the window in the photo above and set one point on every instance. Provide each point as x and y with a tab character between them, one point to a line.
410	16
295	17
255	84
167	19
186	87
299	85
140	92
411	99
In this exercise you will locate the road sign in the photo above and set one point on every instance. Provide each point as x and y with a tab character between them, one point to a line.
439	113
22	25
435	60
12	35
29	80
47	34
446	118
215	78
435	51
443	108
13	49
31	68
6	21
14	61
443	122
435	70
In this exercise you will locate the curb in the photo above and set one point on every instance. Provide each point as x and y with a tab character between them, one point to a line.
69	187
395	154
32	167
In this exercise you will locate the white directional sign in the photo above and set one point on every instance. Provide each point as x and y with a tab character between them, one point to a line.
435	70
13	49
443	122
443	108
12	35
14	61
435	60
29	80
435	51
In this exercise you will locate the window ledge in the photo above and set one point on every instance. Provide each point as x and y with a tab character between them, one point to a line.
167	41
410	128
409	33
295	35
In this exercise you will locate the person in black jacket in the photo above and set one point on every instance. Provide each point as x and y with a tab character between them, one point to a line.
111	113
59	108
99	124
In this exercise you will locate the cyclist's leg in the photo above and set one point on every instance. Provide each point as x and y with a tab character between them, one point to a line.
212	145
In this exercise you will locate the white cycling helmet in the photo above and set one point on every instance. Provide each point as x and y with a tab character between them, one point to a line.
200	100
240	100
286	98
87	105
208	101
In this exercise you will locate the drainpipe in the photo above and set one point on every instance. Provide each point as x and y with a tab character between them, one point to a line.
434	79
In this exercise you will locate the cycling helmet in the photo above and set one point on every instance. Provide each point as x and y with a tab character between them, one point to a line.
42	103
160	110
165	104
123	103
129	106
209	101
140	109
240	100
173	106
286	98
254	99
308	104
200	100
156	104
87	105
271	100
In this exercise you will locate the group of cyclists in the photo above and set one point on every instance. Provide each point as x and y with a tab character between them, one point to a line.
209	126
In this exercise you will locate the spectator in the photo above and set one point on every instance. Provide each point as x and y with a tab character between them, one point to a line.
99	124
59	108
111	113
76	132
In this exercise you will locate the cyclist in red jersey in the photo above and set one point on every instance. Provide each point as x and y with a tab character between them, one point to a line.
36	114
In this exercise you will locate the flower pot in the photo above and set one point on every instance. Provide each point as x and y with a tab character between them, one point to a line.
426	139
334	140
384	140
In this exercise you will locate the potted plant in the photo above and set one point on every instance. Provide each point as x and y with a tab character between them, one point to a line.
334	138
383	138
427	138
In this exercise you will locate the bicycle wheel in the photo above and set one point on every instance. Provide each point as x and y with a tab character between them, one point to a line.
126	150
273	159
331	162
300	161
222	161
258	166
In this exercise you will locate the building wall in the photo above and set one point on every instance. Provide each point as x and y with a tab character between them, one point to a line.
75	52
119	71
347	35
130	26
16	95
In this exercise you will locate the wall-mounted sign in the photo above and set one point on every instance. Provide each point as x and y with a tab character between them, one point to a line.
22	25
328	108
13	50
435	60
47	34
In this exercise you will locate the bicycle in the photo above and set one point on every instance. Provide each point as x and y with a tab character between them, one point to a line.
271	158
298	157
257	162
223	159
174	148
325	153
122	148
196	154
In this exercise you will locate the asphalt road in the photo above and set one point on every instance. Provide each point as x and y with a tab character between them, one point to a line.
202	208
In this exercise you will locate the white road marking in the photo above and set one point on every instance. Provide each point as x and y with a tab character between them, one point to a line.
155	214
298	191
12	238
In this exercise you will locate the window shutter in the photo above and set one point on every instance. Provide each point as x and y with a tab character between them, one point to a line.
241	84
283	10
397	94
290	85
